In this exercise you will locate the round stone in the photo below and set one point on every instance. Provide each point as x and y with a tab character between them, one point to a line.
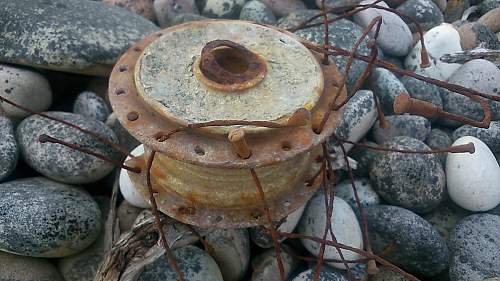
167	10
472	179
257	11
425	12
265	265
9	151
59	162
91	105
387	87
127	188
23	87
222	9
19	268
420	248
413	126
439	139
326	274
474	248
490	136
366	194
422	90
395	36
474	34
490	20
42	218
413	181
195	264
344	224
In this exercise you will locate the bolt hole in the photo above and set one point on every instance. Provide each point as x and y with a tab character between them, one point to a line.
231	60
120	92
123	68
132	116
159	34
199	150
137	49
286	146
218	219
256	215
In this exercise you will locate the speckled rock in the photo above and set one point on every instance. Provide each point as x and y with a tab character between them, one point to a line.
414	126
364	157
187	17
366	193
263	239
9	151
257	11
167	10
19	268
488	5
230	249
445	217
413	181
127	213
222	9
24	87
472	34
422	90
337	3
91	105
140	7
283	7
439	40
439	139
265	266
359	116
420	248
344	224
490	136
395	36
343	34
42	218
480	75
195	264
455	9
68	35
326	274
124	137
425	12
474	248
387	87
59	162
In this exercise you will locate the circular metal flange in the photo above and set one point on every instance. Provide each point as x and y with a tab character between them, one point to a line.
197	146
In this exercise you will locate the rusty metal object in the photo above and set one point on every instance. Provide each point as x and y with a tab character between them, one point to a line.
199	176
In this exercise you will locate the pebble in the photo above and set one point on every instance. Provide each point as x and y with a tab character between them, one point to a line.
260	236
127	213
387	87
420	248
445	217
422	90
76	36
326	274
414	126
19	268
413	181
439	139
42	218
9	151
344	224
140	7
359	116
187	17
167	10
127	188
439	40
488	5
343	34
195	264
282	8
480	75
475	248
366	193
425	12
473	34
473	179
124	137
364	157
257	11
395	36
490	19
23	87
230	249
59	162
265	266
91	105
490	136
455	9
222	9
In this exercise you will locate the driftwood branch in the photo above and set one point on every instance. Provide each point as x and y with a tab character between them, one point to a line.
468	55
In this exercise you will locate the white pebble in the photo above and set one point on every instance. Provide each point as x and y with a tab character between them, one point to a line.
128	189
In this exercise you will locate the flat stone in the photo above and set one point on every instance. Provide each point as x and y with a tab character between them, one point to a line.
265	266
414	126
84	37
91	105
42	218
474	248
62	163
420	248
19	268
425	12
413	181
9	151
167	10
490	136
387	87
257	11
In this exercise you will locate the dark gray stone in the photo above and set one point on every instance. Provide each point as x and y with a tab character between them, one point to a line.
420	248
42	218
488	5
366	193
425	12
439	139
19	268
387	87
68	35
474	248
91	105
413	181
343	34
257	11
490	136
62	163
9	151
422	90
414	126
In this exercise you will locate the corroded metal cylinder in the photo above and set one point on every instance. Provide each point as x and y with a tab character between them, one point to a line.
204	71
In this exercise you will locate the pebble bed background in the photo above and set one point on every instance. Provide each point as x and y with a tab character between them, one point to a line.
440	212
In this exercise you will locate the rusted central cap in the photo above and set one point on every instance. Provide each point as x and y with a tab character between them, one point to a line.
215	71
